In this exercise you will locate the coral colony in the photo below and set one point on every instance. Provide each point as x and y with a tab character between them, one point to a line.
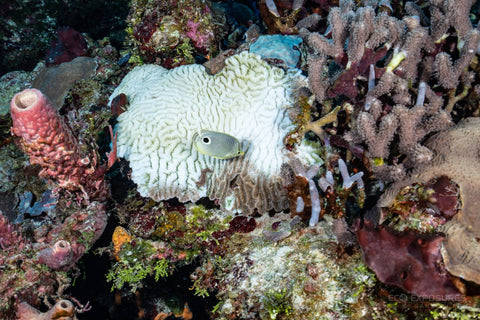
351	190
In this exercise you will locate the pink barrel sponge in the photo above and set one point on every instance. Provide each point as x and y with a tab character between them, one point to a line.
49	141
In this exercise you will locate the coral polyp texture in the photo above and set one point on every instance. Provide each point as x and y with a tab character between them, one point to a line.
247	99
456	156
49	142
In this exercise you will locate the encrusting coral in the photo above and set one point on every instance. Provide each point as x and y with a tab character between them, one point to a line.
46	137
247	99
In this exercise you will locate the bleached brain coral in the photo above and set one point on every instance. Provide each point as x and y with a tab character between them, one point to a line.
247	99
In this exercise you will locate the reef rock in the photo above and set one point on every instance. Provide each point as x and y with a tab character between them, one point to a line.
247	99
456	156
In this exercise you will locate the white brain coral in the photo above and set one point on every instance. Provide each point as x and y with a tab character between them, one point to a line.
247	99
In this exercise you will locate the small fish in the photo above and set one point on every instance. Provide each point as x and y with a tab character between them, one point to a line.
217	144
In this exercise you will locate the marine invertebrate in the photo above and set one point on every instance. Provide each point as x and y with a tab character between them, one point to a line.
29	281
282	50
120	237
62	310
48	140
379	124
414	261
246	99
456	156
367	39
66	243
58	256
333	197
293	274
56	81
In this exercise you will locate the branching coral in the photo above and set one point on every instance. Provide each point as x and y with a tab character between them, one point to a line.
48	140
369	38
380	62
410	124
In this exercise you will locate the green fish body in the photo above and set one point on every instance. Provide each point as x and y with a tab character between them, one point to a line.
217	144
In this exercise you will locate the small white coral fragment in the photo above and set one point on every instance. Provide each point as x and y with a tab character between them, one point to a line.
247	99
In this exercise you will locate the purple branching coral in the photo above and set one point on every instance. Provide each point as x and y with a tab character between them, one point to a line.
411	125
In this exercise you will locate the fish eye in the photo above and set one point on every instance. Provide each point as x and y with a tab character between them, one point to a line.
206	140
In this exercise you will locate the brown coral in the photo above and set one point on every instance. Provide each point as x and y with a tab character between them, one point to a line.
456	156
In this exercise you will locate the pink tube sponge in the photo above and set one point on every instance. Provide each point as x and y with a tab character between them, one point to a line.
59	256
49	141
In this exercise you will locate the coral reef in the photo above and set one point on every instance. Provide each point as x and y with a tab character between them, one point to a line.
302	224
28	28
171	33
298	276
457	161
48	140
164	163
65	244
161	237
379	63
28	281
